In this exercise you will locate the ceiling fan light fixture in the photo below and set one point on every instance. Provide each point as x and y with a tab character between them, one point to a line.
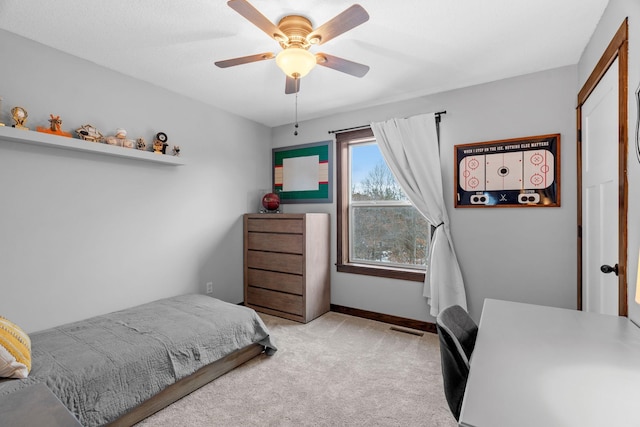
295	62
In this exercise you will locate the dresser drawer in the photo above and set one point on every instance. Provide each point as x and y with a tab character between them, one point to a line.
275	225
290	283
275	300
291	243
286	263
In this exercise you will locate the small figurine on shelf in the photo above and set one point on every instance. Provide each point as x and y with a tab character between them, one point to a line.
89	133
120	139
160	143
176	150
54	127
126	143
141	143
19	115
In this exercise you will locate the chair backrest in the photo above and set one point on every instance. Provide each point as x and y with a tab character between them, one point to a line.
457	334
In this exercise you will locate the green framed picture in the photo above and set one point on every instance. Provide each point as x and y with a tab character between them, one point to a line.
302	173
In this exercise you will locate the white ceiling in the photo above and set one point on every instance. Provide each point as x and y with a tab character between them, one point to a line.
414	47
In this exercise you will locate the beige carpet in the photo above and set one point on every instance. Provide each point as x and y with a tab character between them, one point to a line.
338	370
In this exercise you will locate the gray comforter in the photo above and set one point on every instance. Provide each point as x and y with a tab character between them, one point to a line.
102	367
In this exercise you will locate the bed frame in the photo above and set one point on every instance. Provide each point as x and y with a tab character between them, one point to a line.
188	384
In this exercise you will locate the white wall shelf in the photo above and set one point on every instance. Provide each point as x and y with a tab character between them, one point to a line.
8	133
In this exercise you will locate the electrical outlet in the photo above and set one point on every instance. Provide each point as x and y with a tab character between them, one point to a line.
209	287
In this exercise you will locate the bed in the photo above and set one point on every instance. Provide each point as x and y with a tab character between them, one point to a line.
121	367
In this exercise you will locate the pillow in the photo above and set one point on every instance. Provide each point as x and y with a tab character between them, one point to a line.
15	351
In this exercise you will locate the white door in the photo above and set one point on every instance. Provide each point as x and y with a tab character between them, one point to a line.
600	196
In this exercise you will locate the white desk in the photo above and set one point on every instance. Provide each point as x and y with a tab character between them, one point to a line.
543	366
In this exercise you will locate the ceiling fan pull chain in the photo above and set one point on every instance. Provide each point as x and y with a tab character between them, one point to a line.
295	132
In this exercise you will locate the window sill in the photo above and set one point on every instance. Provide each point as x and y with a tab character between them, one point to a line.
390	273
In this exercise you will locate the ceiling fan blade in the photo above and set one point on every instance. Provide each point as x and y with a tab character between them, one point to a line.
347	20
292	85
254	16
245	59
341	64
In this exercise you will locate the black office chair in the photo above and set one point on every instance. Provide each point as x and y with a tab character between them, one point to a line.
457	333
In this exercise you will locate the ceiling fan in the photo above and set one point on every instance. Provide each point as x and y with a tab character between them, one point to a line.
295	35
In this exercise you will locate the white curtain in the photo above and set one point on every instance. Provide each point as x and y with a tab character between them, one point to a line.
410	148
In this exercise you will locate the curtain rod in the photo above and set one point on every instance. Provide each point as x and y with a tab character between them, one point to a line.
438	114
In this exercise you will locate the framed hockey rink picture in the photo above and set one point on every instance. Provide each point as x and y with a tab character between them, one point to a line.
519	172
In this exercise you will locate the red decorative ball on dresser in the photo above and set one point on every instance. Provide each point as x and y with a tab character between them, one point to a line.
271	201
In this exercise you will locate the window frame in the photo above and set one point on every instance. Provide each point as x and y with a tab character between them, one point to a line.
343	265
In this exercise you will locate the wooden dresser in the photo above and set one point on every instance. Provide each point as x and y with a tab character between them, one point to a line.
287	264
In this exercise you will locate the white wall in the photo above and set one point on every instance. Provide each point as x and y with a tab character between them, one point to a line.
519	254
615	13
83	234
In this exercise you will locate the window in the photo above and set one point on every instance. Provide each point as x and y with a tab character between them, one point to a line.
380	233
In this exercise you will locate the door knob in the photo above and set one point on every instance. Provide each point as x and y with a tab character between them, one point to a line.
608	269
